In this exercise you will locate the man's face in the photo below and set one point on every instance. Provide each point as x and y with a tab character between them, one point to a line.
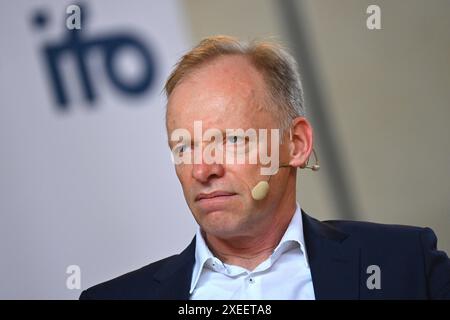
226	93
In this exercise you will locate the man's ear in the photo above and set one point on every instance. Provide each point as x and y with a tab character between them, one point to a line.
301	142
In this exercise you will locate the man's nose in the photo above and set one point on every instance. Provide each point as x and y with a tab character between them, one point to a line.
204	172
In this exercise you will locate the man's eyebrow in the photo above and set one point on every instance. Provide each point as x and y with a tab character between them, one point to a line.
170	142
223	133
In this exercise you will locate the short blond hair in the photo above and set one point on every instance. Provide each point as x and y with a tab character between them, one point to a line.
278	67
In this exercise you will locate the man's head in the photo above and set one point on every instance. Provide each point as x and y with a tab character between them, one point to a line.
224	84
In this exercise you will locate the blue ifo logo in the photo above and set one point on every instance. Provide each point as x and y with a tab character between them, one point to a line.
80	48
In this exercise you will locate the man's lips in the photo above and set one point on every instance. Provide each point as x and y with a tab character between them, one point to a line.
213	195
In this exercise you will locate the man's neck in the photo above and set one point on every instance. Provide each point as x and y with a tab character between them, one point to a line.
249	251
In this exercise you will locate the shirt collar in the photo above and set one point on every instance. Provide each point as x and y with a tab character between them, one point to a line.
202	254
292	235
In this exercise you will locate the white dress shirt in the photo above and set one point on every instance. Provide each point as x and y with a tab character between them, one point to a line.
284	275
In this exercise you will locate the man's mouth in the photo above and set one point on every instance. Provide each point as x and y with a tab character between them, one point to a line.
214	195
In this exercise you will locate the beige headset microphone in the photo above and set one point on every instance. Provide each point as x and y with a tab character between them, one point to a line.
261	189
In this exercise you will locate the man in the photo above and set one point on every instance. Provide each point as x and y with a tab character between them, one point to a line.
253	239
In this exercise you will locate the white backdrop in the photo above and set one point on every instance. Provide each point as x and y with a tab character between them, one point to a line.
89	183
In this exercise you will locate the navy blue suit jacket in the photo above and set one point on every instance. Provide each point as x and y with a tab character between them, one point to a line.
339	254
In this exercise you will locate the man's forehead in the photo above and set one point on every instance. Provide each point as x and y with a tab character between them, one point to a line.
223	94
253	119
226	76
233	67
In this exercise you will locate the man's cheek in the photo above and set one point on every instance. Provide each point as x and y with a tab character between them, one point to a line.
182	172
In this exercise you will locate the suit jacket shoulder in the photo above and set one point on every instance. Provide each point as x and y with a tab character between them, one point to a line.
163	279
406	258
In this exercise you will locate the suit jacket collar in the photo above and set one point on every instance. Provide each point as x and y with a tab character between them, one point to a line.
175	275
333	259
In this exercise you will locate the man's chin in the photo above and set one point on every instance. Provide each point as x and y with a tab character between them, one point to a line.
215	212
221	225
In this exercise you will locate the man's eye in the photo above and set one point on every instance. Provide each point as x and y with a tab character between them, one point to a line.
235	139
182	148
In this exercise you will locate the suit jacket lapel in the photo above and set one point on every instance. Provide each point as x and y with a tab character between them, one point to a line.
334	260
175	277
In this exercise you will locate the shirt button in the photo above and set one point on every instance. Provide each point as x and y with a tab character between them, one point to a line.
251	280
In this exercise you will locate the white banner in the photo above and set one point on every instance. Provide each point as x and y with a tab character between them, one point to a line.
87	187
